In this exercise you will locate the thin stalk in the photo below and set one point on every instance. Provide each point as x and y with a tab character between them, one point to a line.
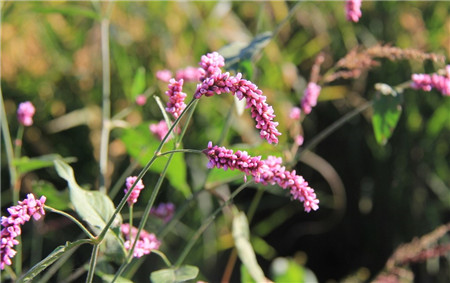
122	203
124	112
208	222
18	141
92	263
7	141
254	204
130	220
163	257
57	265
106	104
333	127
157	186
227	125
180	150
78	223
143	220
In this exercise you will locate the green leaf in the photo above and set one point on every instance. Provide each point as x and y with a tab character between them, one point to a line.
26	164
51	258
93	207
56	199
172	275
138	85
238	51
71	10
387	110
141	144
241	236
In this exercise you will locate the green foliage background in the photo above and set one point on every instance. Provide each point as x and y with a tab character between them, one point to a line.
51	56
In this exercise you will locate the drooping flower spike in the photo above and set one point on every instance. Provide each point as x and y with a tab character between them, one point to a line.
265	171
18	215
216	82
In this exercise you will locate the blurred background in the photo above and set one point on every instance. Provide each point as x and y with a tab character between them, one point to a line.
51	56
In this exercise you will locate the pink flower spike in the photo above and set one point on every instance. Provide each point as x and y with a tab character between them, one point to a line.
264	171
310	96
176	104
25	113
160	130
428	82
141	99
164	75
353	10
19	215
295	113
145	244
261	112
210	65
132	199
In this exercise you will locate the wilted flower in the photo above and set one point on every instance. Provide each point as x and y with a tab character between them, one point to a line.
25	113
18	215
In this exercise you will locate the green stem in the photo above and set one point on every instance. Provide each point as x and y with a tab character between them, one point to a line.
85	230
130	219
124	112
18	141
93	262
163	257
208	222
179	150
157	187
7	141
122	203
254	204
106	104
